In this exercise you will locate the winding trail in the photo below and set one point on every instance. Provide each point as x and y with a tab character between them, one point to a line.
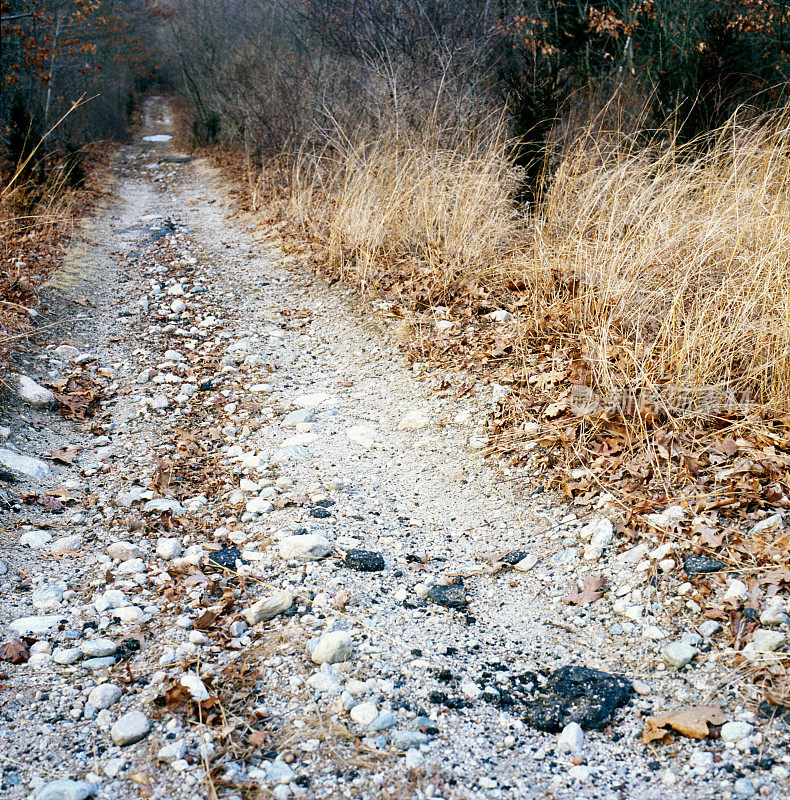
244	404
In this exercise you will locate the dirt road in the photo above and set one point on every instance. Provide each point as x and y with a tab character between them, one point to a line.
269	559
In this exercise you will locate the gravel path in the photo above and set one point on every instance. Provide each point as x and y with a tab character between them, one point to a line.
268	571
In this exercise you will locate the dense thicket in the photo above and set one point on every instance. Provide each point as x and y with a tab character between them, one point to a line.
275	71
55	52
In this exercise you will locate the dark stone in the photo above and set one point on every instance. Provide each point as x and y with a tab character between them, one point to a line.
7	476
699	565
514	556
206	386
578	694
225	557
319	513
449	596
325	503
364	561
176	160
770	711
127	648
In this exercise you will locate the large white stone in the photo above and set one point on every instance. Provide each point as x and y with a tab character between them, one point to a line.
332	648
307	547
104	695
33	393
35	625
130	728
25	465
268	608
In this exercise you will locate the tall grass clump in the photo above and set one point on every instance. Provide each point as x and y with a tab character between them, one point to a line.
669	264
420	213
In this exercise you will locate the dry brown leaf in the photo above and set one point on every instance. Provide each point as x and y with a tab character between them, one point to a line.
591	591
691	722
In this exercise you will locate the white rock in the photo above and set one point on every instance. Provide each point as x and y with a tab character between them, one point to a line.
178	305
164	504
47	596
772	523
679	654
62	789
67	351
571	739
66	655
98	648
259	505
364	713
104	695
332	648
670	516
36	539
314	400
34	394
735	731
174	751
362	435
195	687
66	544
35	625
308	547
766	641
168	548
112	598
736	590
130	728
414	420
123	551
268	608
26	465
130	567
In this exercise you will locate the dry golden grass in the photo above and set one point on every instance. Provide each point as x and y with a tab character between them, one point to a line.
412	211
678	255
667	264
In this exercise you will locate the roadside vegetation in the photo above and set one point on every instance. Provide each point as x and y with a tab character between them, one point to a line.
69	76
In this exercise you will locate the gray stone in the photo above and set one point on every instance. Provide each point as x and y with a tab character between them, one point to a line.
66	655
67	351
307	547
66	544
130	567
104	695
25	465
709	628
332	648
123	551
383	722
98	663
66	790
130	728
774	615
36	540
33	393
268	608
174	751
414	758
766	641
404	740
162	504
744	788
47	596
679	654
